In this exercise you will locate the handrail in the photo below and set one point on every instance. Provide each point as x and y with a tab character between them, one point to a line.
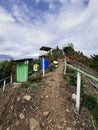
5	78
4	82
83	72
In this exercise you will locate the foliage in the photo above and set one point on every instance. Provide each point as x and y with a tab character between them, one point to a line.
95	112
94	62
37	85
71	71
73	80
94	57
34	87
70	45
68	48
51	68
82	87
89	101
64	76
93	123
31	64
57	53
34	78
6	68
23	86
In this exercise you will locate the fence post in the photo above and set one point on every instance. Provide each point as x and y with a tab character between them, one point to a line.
11	79
43	67
4	86
78	92
65	67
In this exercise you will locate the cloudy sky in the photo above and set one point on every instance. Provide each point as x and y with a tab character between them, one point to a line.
26	25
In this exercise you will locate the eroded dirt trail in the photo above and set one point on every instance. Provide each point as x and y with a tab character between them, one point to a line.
52	102
57	108
48	107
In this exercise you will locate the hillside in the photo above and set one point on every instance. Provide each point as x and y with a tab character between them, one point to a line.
83	61
47	104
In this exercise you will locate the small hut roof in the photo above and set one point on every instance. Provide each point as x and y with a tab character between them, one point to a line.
44	48
22	60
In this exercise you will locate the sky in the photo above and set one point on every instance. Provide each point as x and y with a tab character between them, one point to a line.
26	25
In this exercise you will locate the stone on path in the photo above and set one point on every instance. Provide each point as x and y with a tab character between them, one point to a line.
46	96
21	116
34	125
8	128
69	128
46	113
27	97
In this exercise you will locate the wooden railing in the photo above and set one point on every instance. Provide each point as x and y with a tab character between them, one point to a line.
79	72
4	82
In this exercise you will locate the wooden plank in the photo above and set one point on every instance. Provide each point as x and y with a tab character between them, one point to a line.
83	72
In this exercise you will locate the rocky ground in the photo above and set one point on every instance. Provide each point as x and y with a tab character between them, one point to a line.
48	107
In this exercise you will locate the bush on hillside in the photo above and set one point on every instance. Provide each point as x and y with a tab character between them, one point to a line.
94	62
6	69
89	101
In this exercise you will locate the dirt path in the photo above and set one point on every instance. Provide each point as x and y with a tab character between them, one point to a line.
52	102
51	105
58	108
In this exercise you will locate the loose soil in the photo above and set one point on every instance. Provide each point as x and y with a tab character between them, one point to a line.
51	105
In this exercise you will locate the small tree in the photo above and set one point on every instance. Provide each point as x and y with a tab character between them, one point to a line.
6	68
69	47
94	62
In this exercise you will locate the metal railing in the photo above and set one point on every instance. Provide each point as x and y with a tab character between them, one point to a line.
4	82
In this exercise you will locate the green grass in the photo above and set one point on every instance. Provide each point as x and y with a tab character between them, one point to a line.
34	78
93	123
23	86
90	102
51	68
34	87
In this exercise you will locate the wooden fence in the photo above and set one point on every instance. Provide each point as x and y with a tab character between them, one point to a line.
4	82
79	72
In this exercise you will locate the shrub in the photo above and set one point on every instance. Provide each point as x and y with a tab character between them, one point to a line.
73	80
6	68
64	76
71	71
34	87
82	87
95	112
89	102
33	78
51	68
94	62
93	123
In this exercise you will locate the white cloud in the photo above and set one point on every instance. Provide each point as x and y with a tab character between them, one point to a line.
73	23
5	18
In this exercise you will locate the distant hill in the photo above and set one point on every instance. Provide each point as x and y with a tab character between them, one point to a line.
4	57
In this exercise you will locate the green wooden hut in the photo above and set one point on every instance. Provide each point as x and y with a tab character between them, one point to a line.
22	69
